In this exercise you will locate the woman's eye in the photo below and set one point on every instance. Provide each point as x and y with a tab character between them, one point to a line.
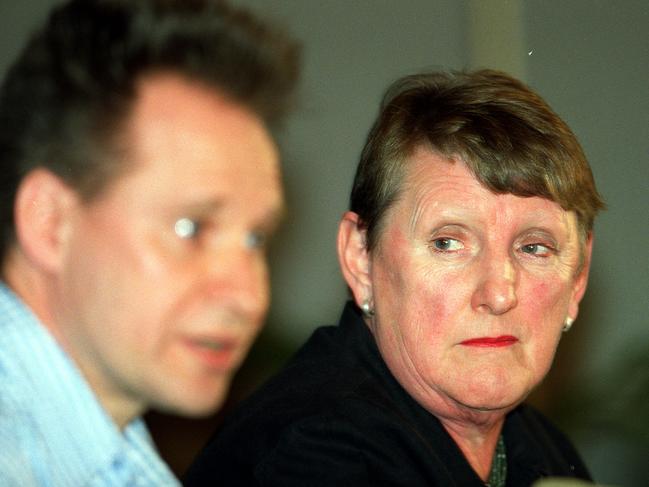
447	244
537	249
186	228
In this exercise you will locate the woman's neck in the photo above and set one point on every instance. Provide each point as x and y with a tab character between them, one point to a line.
476	441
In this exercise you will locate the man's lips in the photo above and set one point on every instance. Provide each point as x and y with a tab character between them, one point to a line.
216	353
499	341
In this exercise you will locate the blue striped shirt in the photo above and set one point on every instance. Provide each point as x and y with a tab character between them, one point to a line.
53	431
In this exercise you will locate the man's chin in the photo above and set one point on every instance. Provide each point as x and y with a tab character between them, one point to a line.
197	406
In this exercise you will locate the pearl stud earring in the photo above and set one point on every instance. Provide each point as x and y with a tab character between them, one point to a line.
567	324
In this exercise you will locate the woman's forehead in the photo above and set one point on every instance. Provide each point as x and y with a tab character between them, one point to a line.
436	185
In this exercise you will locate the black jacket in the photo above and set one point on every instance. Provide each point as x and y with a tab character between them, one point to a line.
335	416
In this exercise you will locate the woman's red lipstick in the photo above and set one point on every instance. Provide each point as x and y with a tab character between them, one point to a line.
501	341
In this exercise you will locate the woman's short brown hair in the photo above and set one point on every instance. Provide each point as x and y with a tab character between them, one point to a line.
507	135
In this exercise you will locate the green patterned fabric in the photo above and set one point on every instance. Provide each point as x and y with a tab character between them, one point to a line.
498	474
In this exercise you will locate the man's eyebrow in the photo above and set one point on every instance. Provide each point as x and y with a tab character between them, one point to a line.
203	206
269	220
274	218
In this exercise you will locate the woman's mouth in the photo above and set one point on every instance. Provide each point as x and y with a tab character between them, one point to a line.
499	341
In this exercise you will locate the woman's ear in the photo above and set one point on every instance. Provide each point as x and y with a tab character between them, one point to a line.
581	280
354	257
42	214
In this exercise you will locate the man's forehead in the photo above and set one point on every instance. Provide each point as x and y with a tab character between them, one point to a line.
190	148
165	96
175	111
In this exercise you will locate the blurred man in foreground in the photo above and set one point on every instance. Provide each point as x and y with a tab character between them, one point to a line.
139	181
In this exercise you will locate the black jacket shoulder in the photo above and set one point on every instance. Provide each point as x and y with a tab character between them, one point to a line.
335	416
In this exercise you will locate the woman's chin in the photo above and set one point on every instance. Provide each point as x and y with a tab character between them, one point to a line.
485	398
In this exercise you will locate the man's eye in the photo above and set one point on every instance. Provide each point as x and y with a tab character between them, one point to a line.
447	244
255	240
186	228
537	249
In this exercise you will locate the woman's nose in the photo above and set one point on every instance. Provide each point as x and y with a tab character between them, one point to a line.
495	291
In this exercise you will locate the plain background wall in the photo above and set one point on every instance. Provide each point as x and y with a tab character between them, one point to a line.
588	58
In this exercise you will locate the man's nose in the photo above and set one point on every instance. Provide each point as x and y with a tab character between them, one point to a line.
495	291
238	275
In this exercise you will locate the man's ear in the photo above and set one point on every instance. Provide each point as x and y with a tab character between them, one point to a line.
354	258
42	213
581	280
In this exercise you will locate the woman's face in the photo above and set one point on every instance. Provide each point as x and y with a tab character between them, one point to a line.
471	289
